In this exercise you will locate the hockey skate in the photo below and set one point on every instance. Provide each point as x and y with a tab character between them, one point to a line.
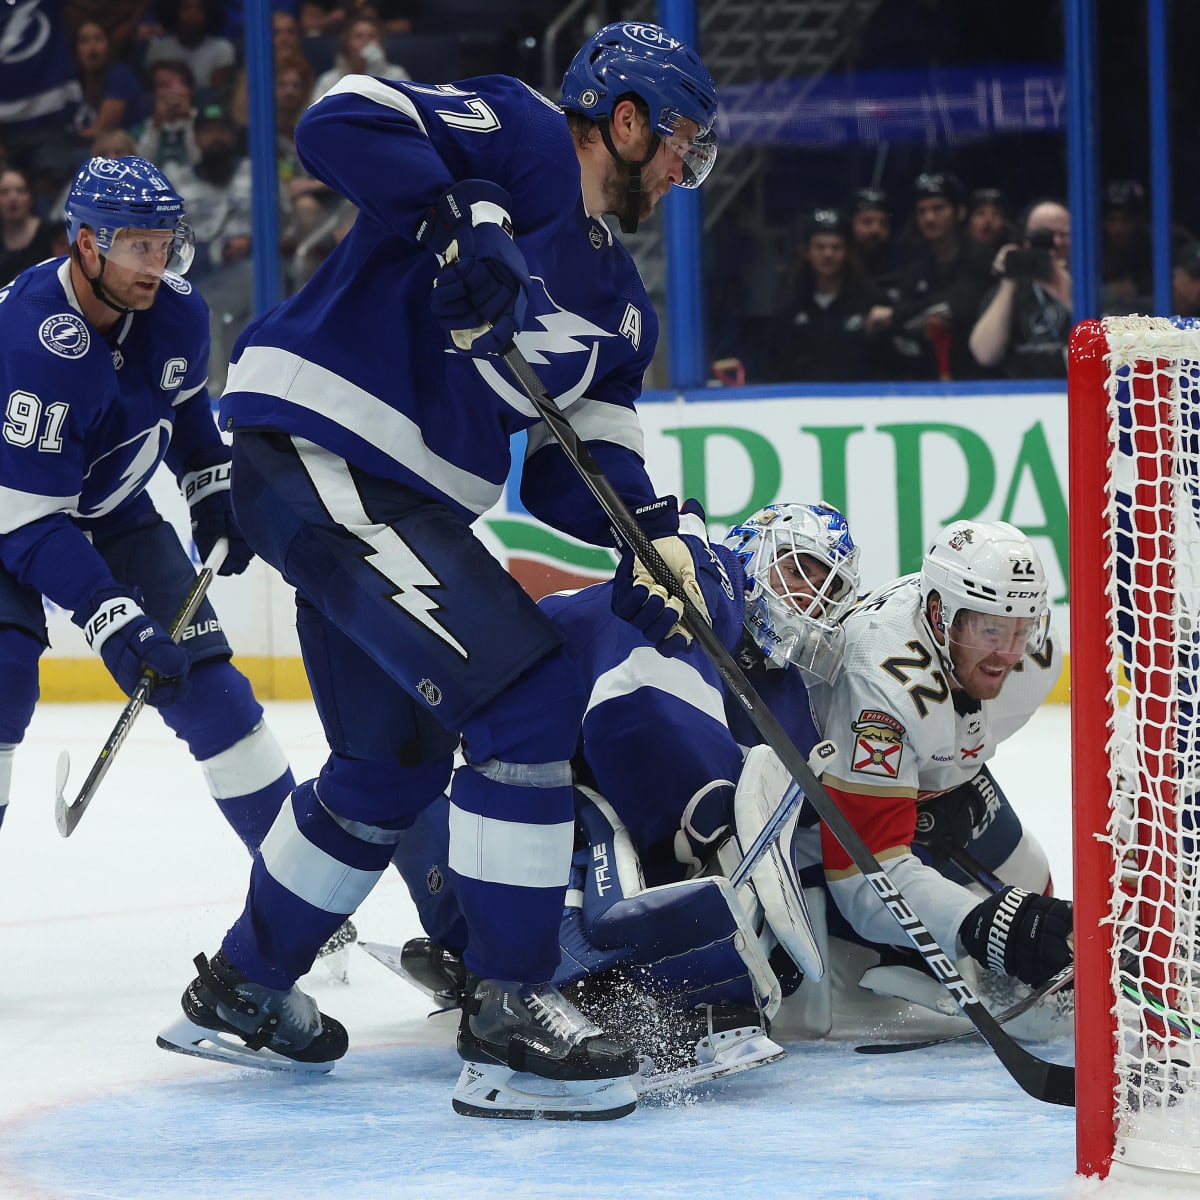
429	966
678	1048
229	1019
530	1054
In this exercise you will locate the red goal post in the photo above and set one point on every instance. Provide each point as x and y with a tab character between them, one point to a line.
1134	420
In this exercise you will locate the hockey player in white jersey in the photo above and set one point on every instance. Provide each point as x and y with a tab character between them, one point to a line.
103	360
940	667
372	422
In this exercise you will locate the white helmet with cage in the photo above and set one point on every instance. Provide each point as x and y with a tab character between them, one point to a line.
990	568
801	579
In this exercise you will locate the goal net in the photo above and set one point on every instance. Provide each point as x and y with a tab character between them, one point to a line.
1134	407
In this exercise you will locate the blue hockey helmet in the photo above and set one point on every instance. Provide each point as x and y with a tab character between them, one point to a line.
801	579
638	57
111	194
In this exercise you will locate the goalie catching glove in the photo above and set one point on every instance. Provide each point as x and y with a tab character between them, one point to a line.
638	599
131	643
482	291
1018	933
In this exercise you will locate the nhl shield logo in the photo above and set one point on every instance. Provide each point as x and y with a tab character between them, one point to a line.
434	881
430	691
595	237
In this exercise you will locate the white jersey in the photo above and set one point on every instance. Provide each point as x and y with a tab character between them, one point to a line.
903	733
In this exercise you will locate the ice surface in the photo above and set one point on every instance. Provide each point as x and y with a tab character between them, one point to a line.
97	934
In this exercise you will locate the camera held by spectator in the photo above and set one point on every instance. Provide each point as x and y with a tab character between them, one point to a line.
1034	260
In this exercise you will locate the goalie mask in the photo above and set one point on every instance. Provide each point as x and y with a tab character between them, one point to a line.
991	585
801	580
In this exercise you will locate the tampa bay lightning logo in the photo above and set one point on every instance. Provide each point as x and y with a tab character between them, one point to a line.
26	35
176	282
66	335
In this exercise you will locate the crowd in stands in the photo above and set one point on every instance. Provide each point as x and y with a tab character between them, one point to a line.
960	285
966	288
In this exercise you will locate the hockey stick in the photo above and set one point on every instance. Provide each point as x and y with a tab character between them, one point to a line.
67	816
1056	983
1051	1082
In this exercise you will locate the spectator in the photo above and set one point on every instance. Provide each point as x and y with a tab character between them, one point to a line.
830	329
360	52
1126	259
321	18
216	192
1025	322
940	290
166	138
293	87
191	37
1185	281
871	231
112	96
988	226
285	33
117	143
39	93
121	20
25	239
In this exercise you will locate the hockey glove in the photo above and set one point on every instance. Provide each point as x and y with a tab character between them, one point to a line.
638	599
482	291
131	643
1018	933
208	497
948	821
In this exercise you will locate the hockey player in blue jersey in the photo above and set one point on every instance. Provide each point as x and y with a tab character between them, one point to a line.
667	802
103	358
371	422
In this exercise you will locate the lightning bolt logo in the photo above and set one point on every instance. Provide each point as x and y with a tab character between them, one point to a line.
398	563
141	453
560	334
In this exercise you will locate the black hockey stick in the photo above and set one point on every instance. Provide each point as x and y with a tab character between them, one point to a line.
1051	1082
67	815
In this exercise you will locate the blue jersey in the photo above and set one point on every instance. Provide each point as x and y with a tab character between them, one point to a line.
659	731
355	362
88	419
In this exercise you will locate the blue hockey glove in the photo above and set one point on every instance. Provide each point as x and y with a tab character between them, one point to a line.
132	643
636	597
207	492
1016	932
481	294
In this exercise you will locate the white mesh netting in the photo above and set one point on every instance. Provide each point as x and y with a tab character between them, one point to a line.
1153	639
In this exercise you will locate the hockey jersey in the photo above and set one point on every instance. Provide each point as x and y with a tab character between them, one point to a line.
355	362
88	419
903	733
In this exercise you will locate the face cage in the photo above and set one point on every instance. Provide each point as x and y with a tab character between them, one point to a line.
122	253
789	635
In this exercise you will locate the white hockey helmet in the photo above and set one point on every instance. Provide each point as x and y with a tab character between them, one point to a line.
801	579
987	567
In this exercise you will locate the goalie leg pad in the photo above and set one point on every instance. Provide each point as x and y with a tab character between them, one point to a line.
690	941
762	786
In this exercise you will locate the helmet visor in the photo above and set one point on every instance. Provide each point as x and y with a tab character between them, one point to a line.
991	634
697	147
153	251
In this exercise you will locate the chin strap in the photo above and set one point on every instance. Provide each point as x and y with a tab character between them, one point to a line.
630	216
94	284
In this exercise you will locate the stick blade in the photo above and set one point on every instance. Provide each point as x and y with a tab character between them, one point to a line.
66	816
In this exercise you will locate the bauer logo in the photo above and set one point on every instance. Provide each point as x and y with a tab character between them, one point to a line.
65	335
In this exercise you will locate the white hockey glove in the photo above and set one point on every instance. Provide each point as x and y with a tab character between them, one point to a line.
638	599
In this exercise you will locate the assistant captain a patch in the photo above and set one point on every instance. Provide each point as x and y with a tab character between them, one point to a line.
878	744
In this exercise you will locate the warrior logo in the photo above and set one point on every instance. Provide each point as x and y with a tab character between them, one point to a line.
877	744
66	335
430	691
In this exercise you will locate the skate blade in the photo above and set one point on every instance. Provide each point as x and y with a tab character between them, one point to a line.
488	1090
186	1037
720	1054
390	957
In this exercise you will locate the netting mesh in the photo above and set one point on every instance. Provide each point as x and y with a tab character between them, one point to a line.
1153	643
